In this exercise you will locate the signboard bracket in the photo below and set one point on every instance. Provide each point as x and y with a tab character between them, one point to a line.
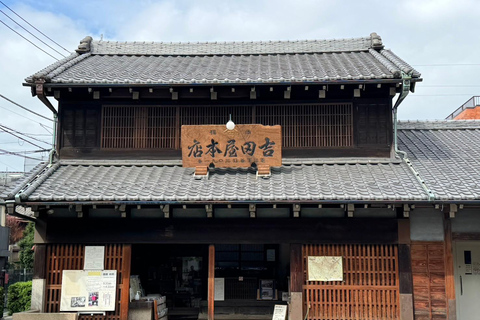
263	171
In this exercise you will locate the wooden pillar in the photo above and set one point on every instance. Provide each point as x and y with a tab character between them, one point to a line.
405	270
296	282
39	277
211	282
125	292
449	272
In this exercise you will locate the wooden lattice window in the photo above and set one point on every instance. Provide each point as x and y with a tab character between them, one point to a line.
158	127
71	257
370	289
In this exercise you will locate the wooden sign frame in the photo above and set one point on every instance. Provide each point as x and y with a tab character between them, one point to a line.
243	146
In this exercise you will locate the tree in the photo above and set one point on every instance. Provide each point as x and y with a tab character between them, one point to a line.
17	226
26	247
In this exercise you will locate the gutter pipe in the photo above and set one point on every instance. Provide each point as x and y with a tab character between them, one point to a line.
40	93
406	84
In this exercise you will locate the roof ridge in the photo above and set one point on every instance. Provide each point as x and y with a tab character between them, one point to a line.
439	124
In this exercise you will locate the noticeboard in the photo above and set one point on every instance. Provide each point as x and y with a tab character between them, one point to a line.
203	145
88	291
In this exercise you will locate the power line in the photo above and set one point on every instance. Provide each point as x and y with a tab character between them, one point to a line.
26	135
27	152
25	108
34	27
13	134
21	115
9	166
28	40
18	155
33	34
445	64
444	95
449	85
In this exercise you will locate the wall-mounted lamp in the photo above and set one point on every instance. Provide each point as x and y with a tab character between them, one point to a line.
230	124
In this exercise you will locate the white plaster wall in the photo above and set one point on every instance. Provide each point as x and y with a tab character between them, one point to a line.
426	225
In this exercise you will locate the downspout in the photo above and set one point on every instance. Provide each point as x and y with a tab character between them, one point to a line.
405	91
406	82
40	92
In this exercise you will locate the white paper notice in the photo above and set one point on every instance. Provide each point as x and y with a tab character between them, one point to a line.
219	289
280	312
94	256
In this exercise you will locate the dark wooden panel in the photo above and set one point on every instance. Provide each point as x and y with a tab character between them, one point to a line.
429	285
217	231
296	268
373	123
39	260
405	269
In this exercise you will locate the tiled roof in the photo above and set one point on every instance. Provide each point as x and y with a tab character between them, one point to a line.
388	180
446	154
8	190
107	62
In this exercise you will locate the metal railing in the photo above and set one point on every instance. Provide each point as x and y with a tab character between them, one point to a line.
470	104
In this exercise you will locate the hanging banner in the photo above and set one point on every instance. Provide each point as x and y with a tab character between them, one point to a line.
203	145
84	290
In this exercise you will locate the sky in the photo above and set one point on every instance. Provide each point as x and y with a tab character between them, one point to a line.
439	38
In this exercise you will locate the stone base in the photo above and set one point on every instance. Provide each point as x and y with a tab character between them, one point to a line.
44	316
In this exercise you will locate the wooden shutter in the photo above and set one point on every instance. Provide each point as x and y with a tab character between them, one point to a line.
370	289
70	257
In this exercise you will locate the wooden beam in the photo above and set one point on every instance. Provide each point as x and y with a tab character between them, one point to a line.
125	292
449	272
296	268
296	281
211	282
39	261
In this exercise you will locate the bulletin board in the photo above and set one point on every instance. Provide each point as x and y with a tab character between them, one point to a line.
87	290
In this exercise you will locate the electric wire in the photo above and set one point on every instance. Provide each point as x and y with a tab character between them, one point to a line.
19	114
26	152
28	40
9	166
32	34
34	27
25	108
18	154
13	134
24	134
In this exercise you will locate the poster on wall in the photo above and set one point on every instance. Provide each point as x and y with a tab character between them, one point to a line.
325	268
85	291
94	257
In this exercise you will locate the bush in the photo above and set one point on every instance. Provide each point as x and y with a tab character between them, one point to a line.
19	297
2	300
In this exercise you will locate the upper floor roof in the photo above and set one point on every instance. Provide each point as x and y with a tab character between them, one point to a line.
274	62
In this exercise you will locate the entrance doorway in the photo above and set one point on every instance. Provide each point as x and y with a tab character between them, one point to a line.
178	272
467	279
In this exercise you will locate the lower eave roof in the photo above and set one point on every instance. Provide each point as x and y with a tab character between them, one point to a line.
368	180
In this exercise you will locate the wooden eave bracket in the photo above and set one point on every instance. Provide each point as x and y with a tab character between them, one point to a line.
453	210
201	172
406	211
166	210
296	210
263	171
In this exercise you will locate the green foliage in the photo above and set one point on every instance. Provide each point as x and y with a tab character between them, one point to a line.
26	245
19	297
2	298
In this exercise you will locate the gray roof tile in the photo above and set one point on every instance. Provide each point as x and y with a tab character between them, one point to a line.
387	181
446	154
109	62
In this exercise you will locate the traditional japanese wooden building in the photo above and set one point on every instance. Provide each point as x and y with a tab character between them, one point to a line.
359	219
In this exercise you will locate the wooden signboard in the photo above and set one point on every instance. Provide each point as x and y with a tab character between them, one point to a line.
240	147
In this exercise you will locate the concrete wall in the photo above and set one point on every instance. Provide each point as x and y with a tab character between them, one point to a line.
426	225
